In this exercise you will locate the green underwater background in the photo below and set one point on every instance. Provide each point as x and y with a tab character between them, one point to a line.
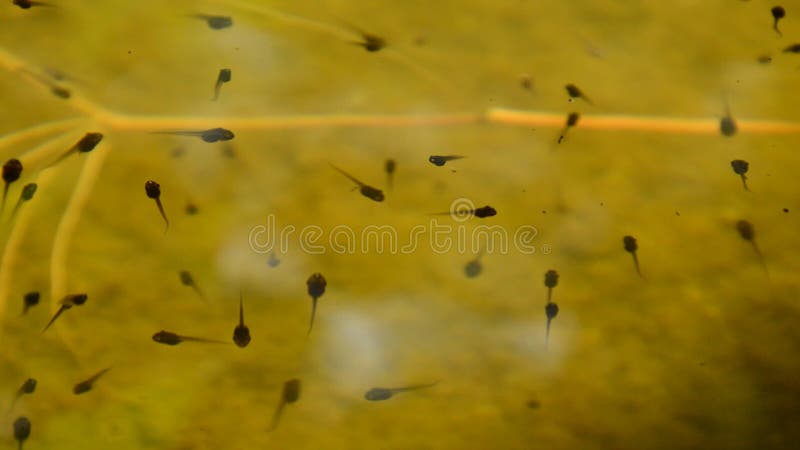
702	351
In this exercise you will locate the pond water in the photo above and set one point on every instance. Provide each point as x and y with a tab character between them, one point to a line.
701	350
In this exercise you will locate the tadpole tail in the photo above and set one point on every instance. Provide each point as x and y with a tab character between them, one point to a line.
204	340
5	194
216	90
549	294
313	313
198	291
415	387
241	309
97	376
58	313
353	179
547	334
562	135
636	263
276	416
62	157
744	183
14	212
11	406
163	214
760	258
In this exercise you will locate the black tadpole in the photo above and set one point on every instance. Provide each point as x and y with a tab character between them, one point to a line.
366	190
551	281
29	300
629	242
85	145
67	302
211	135
778	13
25	195
12	170
27	4
273	261
28	387
574	92
316	287
481	213
215	22
188	280
241	334
747	233
727	125
371	42
440	160
22	430
87	385
572	120
290	394
390	167
740	167
377	394
153	190
473	268
223	77
794	48
170	338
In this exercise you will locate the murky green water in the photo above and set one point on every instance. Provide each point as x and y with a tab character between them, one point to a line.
701	353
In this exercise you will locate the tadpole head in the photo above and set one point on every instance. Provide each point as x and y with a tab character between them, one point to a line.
551	310
12	170
29	386
152	189
630	244
89	142
316	285
437	160
241	336
485	211
373	43
740	166
22	428
727	126
28	190
372	193
572	119
79	299
186	278
551	278
31	299
573	90
81	388
291	390
473	268
219	22
745	230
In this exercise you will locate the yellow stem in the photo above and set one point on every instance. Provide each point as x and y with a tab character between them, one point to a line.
69	222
